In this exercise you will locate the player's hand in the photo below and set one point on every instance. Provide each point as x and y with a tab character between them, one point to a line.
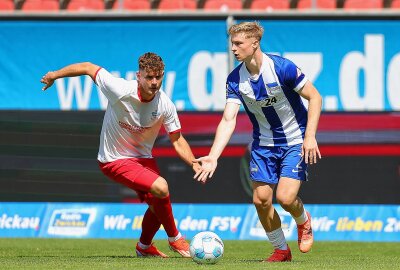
208	165
48	80
197	168
310	150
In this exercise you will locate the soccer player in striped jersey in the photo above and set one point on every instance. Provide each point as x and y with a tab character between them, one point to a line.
135	113
284	143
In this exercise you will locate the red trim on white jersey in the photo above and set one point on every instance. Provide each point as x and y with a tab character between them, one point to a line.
95	74
138	93
175	131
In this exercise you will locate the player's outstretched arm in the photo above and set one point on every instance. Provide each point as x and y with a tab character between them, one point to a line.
310	150
184	151
224	132
73	70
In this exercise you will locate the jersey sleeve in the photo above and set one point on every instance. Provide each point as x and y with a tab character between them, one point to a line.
232	93
112	87
171	120
293	76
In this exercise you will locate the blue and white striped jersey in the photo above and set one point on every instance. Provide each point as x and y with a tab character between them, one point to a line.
271	100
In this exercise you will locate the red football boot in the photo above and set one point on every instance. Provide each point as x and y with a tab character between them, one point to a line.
305	237
280	255
180	246
151	251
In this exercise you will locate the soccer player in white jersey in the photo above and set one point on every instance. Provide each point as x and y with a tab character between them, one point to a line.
270	89
136	110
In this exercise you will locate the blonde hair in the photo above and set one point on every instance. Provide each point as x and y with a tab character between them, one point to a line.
151	62
250	29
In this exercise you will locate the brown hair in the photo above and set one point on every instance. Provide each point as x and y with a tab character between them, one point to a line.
151	62
250	29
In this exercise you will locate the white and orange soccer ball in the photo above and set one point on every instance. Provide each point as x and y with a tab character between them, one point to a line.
206	248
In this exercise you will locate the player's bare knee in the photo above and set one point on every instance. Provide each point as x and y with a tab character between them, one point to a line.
262	204
285	202
160	188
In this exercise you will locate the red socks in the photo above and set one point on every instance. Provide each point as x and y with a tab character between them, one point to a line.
150	226
163	211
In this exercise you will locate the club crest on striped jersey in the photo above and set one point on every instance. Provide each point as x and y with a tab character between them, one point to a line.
273	90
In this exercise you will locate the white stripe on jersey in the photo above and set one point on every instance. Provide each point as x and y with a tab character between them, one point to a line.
289	123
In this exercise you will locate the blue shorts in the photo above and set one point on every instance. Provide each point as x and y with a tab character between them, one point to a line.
268	164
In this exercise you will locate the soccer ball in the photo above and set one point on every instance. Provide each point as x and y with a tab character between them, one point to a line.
206	248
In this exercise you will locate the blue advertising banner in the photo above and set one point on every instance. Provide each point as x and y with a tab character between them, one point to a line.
353	63
229	221
336	223
21	219
193	60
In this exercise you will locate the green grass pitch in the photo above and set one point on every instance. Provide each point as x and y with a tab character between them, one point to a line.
22	253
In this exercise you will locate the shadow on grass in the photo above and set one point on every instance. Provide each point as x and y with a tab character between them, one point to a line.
133	257
106	256
249	260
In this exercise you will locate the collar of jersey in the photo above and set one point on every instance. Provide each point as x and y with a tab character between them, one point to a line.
140	97
262	68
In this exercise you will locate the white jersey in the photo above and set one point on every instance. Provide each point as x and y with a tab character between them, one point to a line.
271	101
131	126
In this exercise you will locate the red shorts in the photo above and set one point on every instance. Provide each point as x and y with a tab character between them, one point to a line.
135	173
